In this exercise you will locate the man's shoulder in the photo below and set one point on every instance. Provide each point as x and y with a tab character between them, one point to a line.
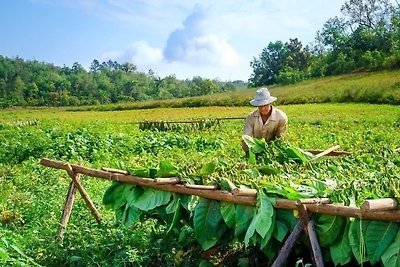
280	114
254	113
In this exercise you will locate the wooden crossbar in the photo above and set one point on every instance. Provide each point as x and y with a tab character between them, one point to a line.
313	205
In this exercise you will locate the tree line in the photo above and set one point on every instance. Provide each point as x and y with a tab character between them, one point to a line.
365	38
34	83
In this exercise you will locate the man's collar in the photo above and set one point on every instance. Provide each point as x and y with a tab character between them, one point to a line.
272	117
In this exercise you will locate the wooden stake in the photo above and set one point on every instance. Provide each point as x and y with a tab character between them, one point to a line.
309	229
332	153
284	252
326	152
69	202
379	204
84	194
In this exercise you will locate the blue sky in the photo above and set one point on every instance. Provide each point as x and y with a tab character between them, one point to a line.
208	38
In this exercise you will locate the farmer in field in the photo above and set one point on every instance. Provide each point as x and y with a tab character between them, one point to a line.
267	121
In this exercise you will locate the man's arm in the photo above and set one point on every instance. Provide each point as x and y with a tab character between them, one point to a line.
282	127
248	130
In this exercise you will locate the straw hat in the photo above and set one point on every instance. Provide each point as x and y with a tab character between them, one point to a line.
262	98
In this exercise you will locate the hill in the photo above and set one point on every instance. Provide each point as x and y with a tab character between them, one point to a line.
368	87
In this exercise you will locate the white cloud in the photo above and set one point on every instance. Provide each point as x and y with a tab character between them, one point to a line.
194	44
190	49
139	53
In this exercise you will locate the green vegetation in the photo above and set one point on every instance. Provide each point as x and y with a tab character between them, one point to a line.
33	83
32	196
366	38
375	87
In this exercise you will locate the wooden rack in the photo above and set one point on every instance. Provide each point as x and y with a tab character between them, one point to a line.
380	209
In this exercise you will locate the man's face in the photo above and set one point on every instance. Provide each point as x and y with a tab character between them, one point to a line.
264	110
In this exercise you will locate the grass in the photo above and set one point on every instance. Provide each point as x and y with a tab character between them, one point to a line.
371	87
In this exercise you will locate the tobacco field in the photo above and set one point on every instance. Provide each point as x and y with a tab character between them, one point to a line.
147	227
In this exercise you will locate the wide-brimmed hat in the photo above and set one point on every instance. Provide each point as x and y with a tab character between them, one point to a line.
262	98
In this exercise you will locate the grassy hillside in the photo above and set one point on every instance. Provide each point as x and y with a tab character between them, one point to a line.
372	87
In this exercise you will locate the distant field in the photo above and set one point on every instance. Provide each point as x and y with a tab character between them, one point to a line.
307	112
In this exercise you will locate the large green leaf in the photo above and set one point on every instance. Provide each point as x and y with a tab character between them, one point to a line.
268	170
228	213
377	243
267	238
112	194
255	145
134	194
249	141
173	204
152	198
177	216
391	257
166	169
244	215
118	195
280	230
287	217
329	228
341	250
132	214
296	155
208	223
262	221
209	168
140	172
357	239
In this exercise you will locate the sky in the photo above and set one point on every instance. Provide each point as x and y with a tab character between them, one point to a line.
215	39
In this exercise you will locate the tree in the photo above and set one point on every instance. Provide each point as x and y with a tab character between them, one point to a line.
128	67
367	13
297	57
95	66
334	34
268	65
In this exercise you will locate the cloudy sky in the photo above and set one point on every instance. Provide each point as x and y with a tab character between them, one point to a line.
187	38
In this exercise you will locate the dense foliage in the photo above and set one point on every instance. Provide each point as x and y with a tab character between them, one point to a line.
32	196
36	83
366	38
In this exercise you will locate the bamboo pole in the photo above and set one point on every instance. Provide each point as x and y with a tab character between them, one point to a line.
115	170
201	187
69	202
379	204
332	153
332	209
83	192
245	192
309	229
192	121
326	152
284	252
171	180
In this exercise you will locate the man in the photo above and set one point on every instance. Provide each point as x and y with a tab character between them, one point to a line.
267	121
